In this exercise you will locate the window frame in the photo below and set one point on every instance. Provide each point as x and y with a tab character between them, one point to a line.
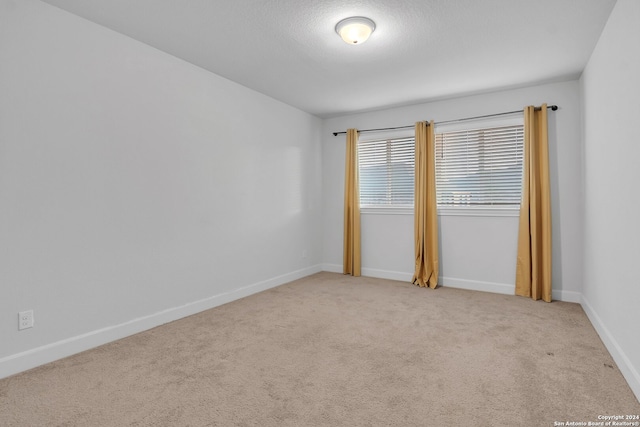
474	211
480	210
384	136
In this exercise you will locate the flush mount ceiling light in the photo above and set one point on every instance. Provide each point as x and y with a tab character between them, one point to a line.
355	30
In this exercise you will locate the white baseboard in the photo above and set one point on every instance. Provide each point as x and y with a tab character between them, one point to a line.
332	268
629	372
452	282
504	288
372	272
473	285
567	296
29	359
387	274
477	285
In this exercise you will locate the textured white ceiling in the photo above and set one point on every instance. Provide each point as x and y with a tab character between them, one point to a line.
421	49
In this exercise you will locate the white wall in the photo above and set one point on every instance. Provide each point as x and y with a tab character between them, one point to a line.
476	252
136	188
611	97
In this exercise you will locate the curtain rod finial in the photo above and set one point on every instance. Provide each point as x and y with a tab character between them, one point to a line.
554	107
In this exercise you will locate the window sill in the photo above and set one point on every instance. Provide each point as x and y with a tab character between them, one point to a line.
479	211
446	211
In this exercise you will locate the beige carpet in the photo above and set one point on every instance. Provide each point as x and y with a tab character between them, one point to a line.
332	350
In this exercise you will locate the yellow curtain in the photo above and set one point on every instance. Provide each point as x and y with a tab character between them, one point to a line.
351	252
426	213
533	269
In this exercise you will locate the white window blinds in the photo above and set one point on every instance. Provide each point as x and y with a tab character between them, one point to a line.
386	172
480	166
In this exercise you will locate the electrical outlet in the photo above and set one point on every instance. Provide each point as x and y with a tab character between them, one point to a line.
25	320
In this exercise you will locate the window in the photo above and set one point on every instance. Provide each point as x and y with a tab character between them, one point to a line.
386	172
475	167
480	167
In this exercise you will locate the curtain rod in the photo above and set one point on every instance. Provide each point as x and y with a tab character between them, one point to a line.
552	107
